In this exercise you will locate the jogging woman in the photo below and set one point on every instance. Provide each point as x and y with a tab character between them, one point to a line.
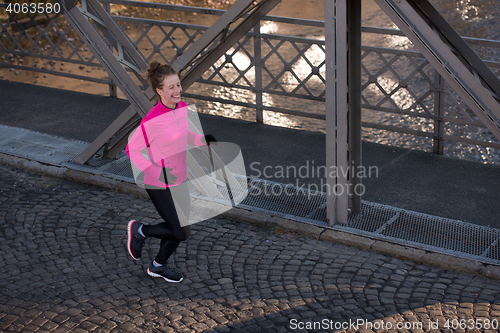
164	133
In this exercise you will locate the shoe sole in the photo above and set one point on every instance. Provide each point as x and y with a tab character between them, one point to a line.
129	230
158	275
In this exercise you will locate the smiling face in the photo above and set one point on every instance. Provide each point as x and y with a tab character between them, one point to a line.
171	90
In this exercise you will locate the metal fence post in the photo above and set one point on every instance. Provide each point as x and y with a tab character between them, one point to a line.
258	73
439	95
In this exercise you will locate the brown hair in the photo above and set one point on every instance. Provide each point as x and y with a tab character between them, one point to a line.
157	72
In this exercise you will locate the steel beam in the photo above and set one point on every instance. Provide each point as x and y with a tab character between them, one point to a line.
128	56
439	114
336	109
107	135
450	56
209	36
115	128
78	18
226	42
117	38
257	49
330	123
113	64
461	48
354	81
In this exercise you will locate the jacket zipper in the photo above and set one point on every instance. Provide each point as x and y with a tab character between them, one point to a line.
176	115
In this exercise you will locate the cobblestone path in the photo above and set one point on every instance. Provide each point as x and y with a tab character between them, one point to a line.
64	268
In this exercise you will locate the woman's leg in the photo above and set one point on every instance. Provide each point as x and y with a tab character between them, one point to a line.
170	231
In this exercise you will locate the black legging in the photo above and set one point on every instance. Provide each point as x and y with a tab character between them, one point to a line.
170	232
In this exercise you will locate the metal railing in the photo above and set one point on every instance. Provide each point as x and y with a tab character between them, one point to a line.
46	37
400	89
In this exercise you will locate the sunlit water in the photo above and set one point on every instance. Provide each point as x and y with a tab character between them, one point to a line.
470	18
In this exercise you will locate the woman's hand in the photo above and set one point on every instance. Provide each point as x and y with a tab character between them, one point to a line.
166	176
210	138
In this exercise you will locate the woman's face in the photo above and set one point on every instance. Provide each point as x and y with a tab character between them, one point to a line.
170	92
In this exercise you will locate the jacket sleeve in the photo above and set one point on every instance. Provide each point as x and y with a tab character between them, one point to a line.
135	146
196	140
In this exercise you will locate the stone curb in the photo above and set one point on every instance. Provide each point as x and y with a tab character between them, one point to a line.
427	257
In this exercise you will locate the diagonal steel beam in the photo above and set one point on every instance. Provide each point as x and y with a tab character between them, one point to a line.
463	49
127	54
215	38
113	64
446	51
209	36
225	43
80	19
80	23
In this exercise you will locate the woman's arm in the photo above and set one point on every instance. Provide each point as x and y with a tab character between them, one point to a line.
196	140
135	146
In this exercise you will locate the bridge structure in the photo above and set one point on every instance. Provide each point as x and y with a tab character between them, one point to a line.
116	53
419	20
442	47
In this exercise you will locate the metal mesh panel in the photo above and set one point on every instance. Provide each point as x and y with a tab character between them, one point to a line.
426	231
116	168
285	200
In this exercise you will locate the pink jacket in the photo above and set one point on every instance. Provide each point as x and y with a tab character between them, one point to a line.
168	134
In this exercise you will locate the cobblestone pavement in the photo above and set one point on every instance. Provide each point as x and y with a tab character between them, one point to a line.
65	268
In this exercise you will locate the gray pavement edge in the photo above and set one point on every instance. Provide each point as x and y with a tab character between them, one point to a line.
436	259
